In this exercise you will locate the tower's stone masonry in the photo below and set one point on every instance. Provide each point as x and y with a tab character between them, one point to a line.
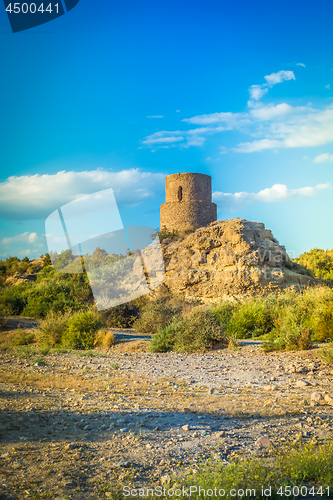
188	202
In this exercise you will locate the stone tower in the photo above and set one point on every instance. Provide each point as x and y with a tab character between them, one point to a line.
188	201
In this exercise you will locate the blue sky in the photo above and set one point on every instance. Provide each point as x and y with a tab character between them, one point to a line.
121	94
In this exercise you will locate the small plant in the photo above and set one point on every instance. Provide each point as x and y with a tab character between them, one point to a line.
53	328
289	341
233	343
26	352
104	339
81	330
91	353
44	350
40	360
165	233
115	366
23	338
158	314
4	347
59	350
196	331
326	354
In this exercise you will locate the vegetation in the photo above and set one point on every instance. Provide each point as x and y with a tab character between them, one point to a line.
293	466
319	262
158	314
326	354
196	331
289	319
165	234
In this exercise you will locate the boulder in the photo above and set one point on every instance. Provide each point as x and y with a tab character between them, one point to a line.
232	257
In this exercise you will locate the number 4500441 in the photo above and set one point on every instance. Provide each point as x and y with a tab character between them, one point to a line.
31	7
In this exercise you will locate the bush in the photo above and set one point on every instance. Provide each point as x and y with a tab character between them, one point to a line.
157	315
52	292
81	330
249	319
164	234
53	328
297	340
122	316
326	354
194	332
23	338
104	339
319	262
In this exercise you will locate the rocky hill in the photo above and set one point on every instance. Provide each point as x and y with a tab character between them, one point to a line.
233	257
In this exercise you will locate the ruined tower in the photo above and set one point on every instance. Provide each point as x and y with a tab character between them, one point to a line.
188	201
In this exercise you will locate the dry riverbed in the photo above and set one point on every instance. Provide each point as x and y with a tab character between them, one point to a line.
79	426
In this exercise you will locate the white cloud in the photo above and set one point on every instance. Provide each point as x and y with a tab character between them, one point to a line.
162	140
269	112
277	193
155	116
250	147
327	87
257	91
230	119
279	77
270	126
300	64
323	158
36	196
25	244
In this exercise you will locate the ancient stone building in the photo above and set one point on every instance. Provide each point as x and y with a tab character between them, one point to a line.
188	201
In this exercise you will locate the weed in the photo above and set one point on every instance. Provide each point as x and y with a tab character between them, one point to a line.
23	338
26	352
104	339
91	353
81	330
115	366
4	347
44	350
326	354
194	332
40	361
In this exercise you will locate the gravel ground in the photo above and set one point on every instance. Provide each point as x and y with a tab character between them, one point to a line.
78	425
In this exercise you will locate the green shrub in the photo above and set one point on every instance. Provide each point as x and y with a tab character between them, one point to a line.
26	351
289	341
40	360
23	338
157	315
165	233
194	332
53	328
326	354
249	319
293	465
58	292
319	262
81	330
122	316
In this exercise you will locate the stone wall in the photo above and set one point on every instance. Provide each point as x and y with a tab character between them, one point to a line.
188	201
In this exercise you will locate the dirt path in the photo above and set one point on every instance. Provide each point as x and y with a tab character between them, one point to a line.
78	426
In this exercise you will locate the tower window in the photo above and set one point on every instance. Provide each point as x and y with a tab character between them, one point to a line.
180	193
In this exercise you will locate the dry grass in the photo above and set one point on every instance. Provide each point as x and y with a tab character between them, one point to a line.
104	339
133	346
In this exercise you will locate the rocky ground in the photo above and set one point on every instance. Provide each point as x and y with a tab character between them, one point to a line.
77	426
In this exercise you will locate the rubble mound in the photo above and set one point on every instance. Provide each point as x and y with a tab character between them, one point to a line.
232	257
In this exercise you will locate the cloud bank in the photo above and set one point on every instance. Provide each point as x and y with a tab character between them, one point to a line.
269	125
36	196
274	194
